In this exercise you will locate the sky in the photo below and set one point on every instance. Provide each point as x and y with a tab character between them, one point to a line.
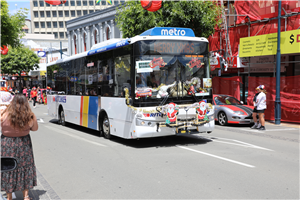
14	5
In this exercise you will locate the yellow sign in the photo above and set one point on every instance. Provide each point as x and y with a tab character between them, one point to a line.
42	73
263	45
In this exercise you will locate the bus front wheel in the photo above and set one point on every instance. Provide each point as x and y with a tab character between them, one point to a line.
106	128
62	119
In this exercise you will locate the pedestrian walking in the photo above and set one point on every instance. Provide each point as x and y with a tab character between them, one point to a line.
28	94
25	91
17	120
261	105
33	95
254	114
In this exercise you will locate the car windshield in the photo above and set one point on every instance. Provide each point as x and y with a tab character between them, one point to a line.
226	100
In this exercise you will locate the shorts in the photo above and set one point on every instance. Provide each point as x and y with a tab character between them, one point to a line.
261	111
254	110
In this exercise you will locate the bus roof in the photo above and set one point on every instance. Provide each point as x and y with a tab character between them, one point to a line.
156	33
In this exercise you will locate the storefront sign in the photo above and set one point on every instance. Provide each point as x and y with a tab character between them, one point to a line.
267	44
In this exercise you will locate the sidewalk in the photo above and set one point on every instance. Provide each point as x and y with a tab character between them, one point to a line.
285	124
42	191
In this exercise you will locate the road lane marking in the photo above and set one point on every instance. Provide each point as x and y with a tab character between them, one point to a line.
219	157
40	120
74	136
243	144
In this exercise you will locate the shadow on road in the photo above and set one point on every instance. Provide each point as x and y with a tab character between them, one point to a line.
164	141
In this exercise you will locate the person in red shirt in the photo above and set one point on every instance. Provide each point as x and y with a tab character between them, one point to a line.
33	95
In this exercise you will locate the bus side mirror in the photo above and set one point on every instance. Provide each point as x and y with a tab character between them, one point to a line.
128	101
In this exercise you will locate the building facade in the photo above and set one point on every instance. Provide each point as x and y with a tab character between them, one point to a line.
50	19
86	31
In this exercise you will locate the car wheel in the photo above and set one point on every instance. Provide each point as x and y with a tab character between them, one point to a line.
62	119
105	128
222	118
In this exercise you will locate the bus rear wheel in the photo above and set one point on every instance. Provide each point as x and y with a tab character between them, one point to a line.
106	128
62	119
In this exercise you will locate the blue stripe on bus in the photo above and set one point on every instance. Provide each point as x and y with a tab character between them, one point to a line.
93	109
121	43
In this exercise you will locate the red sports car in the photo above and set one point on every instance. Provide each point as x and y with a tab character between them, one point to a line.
229	110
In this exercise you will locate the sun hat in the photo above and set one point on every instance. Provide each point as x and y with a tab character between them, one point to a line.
5	97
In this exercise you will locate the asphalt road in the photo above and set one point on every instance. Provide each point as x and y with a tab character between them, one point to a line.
233	162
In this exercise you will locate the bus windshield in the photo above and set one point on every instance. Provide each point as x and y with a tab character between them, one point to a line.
176	77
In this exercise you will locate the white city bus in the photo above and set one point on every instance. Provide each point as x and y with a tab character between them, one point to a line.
154	84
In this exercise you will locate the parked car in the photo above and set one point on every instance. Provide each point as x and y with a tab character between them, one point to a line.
229	110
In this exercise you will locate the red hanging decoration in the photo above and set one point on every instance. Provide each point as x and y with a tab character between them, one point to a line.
150	5
55	2
4	50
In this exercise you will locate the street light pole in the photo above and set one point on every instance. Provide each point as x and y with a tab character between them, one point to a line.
278	60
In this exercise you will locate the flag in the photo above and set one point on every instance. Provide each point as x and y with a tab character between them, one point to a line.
98	1
109	1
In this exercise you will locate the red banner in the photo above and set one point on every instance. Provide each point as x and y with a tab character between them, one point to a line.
289	96
229	86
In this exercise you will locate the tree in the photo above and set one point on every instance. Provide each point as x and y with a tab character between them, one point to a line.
200	16
11	25
19	59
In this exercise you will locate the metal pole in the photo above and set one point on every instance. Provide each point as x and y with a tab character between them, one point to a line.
277	100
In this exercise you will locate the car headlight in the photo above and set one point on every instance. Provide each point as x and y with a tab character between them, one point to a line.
238	112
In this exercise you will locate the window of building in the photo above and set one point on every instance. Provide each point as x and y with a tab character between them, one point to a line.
60	14
47	5
72	13
103	2
72	3
97	3
91	11
66	35
116	2
60	5
48	24
49	33
122	1
42	32
91	3
42	14
55	35
75	46
42	24
54	24
54	14
78	13
78	3
107	31
67	13
61	34
35	4
85	12
67	3
61	24
84	3
36	25
36	14
41	3
48	13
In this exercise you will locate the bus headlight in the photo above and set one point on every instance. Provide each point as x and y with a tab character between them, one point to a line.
140	122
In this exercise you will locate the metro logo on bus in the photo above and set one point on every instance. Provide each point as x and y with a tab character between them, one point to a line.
169	31
61	99
153	114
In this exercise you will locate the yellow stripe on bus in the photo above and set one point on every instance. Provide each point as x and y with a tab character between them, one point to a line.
85	111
